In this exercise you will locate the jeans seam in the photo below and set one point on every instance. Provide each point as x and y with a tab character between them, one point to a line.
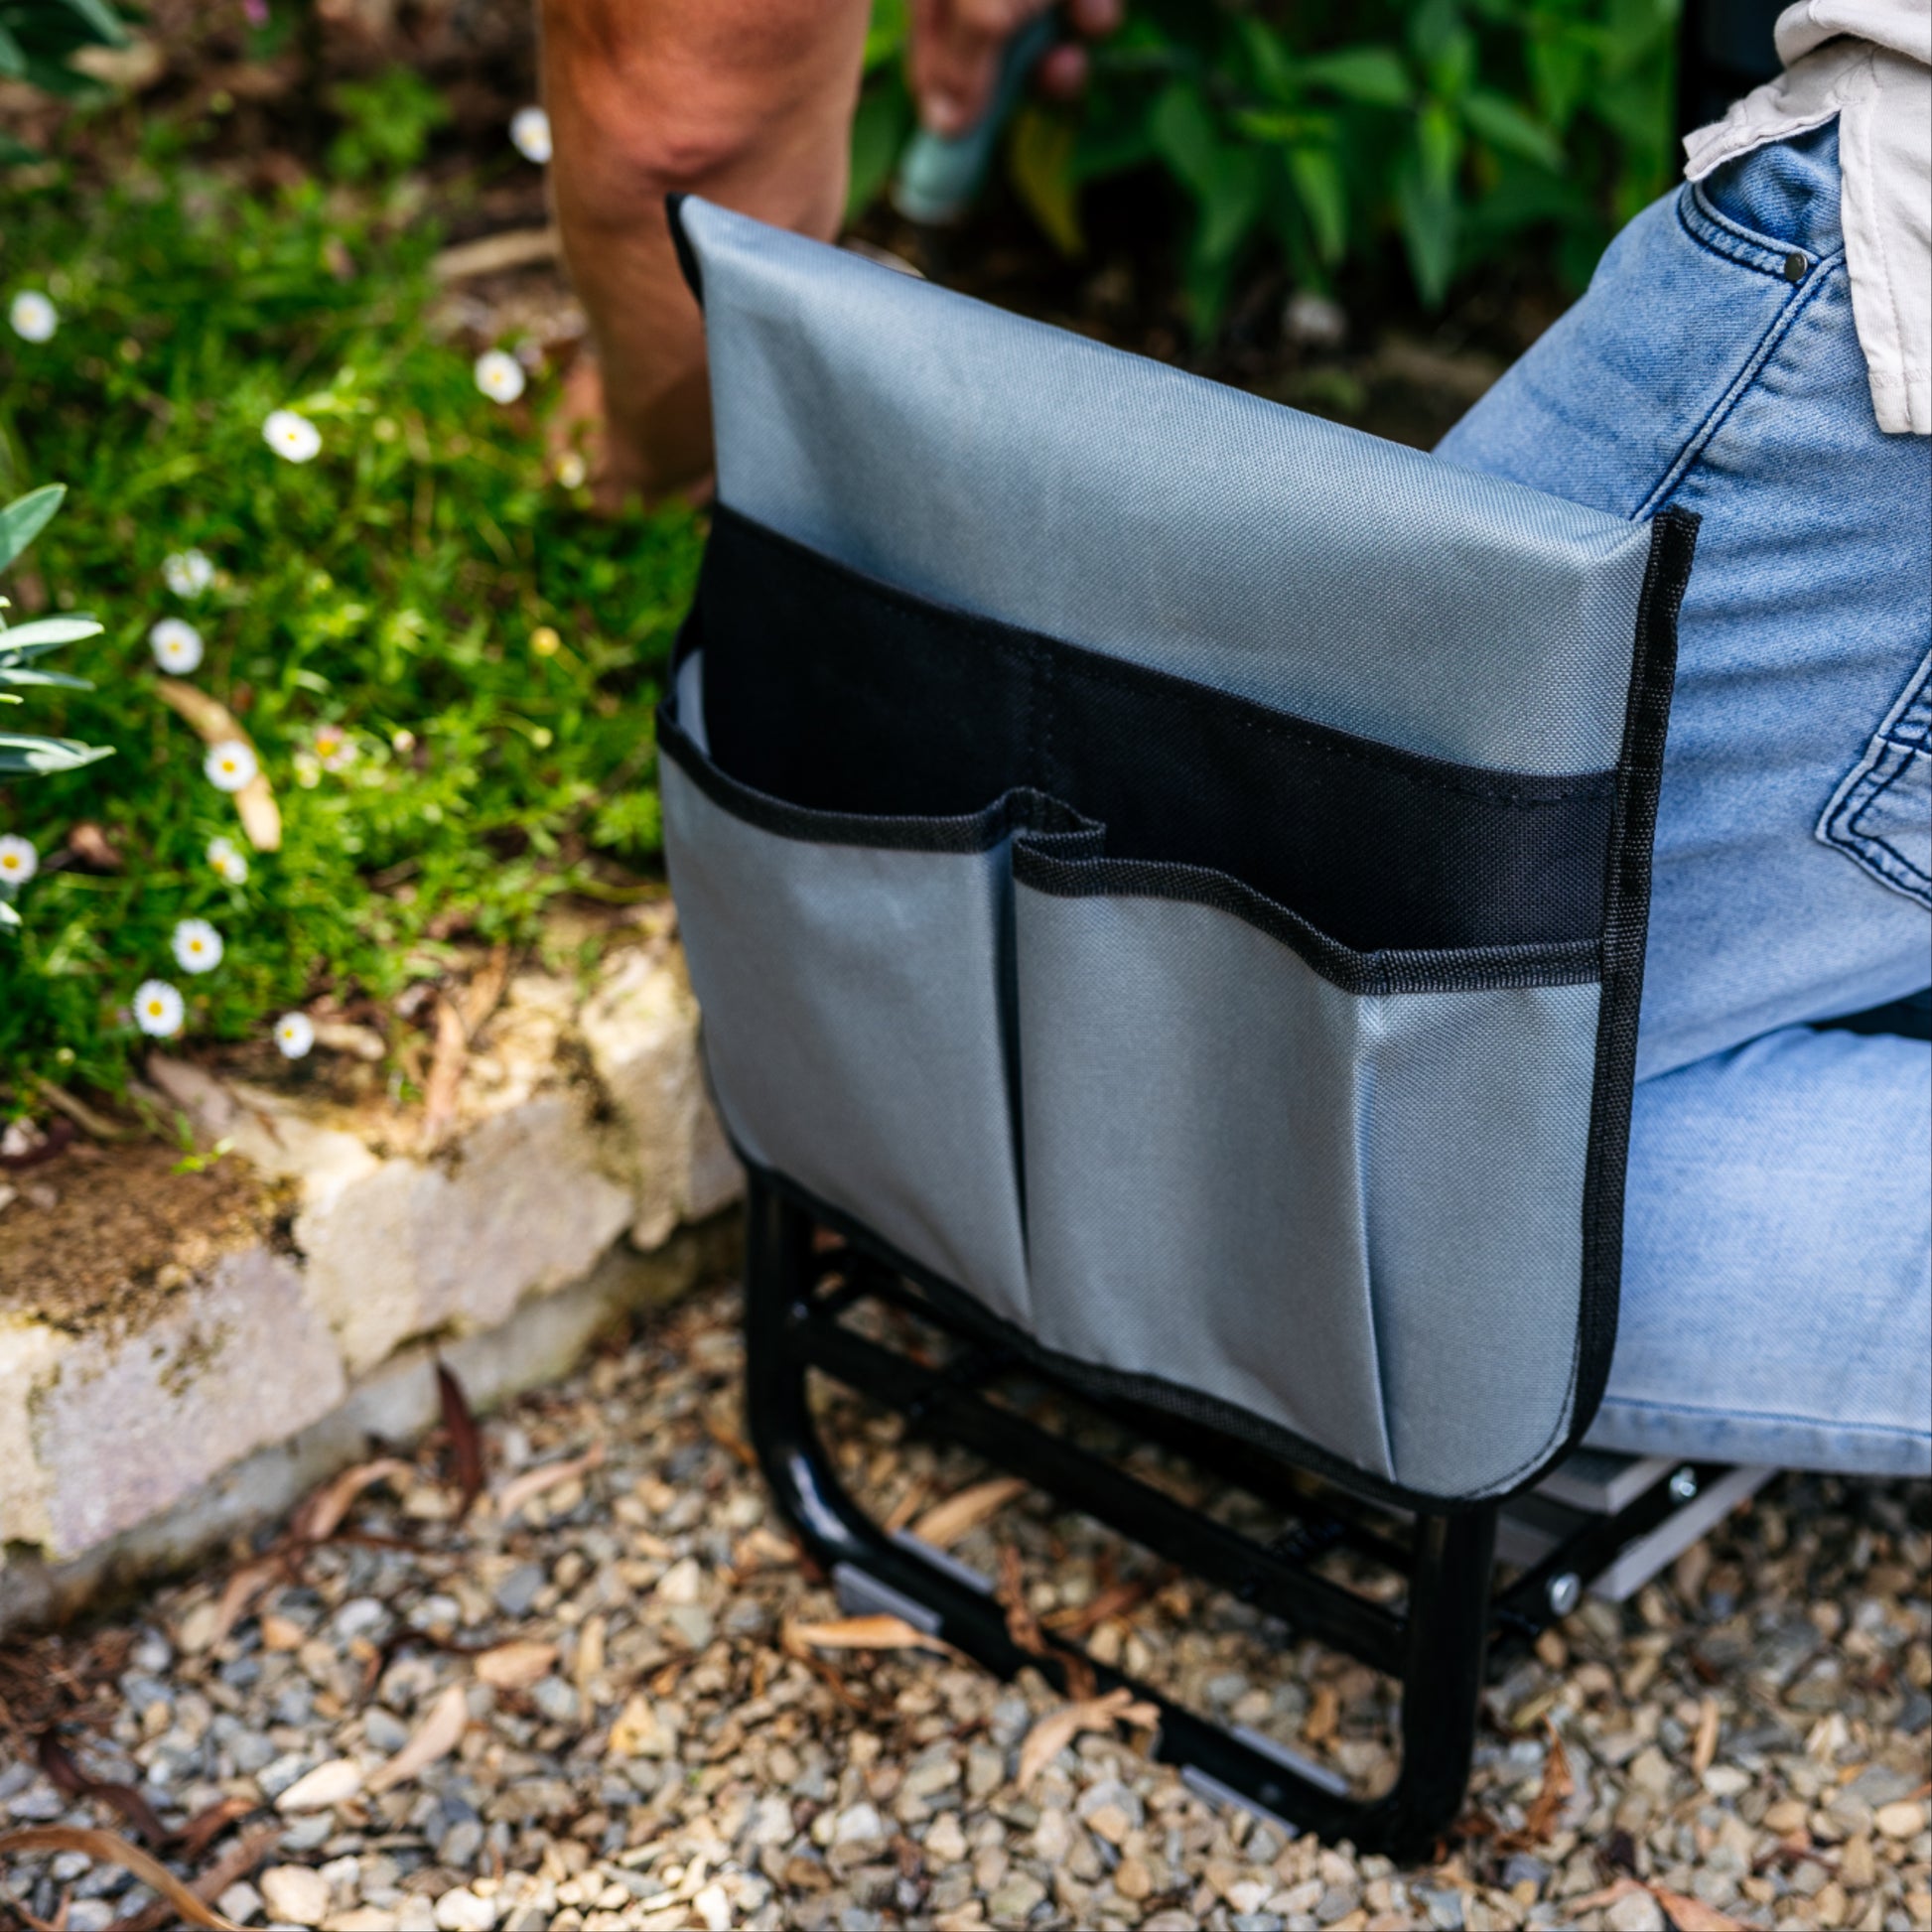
1615	1401
1700	438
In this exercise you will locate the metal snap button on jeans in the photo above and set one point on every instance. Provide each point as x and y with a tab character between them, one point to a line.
1794	268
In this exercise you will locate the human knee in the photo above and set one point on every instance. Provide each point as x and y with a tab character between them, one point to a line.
657	97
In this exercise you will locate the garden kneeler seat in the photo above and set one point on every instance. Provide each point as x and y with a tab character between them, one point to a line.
1166	881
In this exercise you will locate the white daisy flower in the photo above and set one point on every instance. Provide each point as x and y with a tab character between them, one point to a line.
158	1009
500	375
531	134
334	747
19	862
228	861
230	765
177	646
198	946
290	436
572	470
188	572
35	317
295	1033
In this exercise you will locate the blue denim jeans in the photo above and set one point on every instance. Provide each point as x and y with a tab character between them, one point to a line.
1777	1287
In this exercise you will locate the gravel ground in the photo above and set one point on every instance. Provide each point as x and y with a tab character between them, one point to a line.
592	1704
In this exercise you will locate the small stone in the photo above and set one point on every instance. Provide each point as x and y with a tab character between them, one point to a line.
713	1908
945	1842
1904	1819
91	1915
1014	1899
681	1583
1635	1911
322	1789
240	1902
460	1911
861	1823
519	1590
294	1894
556	1699
1132	1880
1650	1771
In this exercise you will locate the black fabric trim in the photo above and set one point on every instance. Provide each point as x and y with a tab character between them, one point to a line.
1639	778
1059	850
1155	1391
687	256
1466	969
847	695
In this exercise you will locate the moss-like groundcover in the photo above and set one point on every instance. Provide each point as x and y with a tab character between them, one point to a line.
444	666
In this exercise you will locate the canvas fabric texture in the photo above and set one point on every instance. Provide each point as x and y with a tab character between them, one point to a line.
1207	944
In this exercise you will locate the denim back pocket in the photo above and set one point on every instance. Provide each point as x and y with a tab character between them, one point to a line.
1880	817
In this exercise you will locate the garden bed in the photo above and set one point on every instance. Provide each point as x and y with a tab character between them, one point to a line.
188	1337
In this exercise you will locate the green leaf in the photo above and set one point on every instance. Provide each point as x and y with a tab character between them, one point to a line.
19	675
1373	76
45	633
1039	155
13	57
1504	125
1428	215
1319	189
1186	138
8	916
102	21
21	753
26	517
886	33
879	131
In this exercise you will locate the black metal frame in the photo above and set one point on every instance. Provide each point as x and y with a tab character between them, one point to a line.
801	1283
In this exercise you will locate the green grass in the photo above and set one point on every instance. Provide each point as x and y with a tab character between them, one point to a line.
391	588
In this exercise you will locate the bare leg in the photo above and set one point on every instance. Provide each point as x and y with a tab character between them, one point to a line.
748	103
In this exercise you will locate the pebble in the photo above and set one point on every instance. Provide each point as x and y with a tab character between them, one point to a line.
668	1760
296	1893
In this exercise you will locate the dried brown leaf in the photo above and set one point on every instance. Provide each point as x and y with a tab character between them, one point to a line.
1011	1595
1693	1914
239	1862
216	724
321	1515
64	1773
1115	1600
945	1522
109	1848
551	1475
516	1665
1324	1715
485	988
437	1737
466	1440
440	1091
1703	1748
207	1825
1546	1808
239	1595
1059	1729
860	1633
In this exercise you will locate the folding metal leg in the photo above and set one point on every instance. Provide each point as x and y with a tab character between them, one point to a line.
1438	1649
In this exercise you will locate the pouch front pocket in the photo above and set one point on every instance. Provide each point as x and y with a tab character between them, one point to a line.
1355	1215
856	1021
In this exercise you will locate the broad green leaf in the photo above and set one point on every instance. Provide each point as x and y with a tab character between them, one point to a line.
21	753
886	33
1232	206
1268	57
13	57
1504	125
26	517
45	633
1319	189
101	20
1186	138
18	675
879	131
1428	215
1039	155
1373	76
